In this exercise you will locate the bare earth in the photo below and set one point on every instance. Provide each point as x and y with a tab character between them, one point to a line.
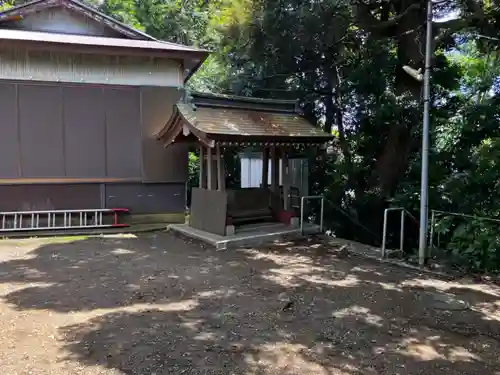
156	304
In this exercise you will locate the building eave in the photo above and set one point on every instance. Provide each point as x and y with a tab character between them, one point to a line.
38	5
97	45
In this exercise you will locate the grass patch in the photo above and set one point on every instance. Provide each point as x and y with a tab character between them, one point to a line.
63	239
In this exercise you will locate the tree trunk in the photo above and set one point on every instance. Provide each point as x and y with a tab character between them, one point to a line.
410	38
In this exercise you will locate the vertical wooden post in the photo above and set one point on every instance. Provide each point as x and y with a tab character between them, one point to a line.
275	169
202	167
265	167
286	181
221	175
210	172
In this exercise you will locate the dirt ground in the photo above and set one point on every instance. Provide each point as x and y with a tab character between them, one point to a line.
156	304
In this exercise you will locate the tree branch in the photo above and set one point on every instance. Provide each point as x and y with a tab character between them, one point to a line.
371	23
447	28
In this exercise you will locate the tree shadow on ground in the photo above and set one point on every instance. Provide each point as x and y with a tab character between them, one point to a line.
163	305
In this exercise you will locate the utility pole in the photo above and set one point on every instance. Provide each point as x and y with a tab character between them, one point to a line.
424	180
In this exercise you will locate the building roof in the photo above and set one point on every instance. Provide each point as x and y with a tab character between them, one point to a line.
96	41
135	42
227	120
30	7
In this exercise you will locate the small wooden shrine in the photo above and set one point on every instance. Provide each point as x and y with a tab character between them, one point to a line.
218	122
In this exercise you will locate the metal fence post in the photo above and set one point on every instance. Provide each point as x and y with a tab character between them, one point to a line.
384	234
402	233
431	236
321	213
302	215
302	200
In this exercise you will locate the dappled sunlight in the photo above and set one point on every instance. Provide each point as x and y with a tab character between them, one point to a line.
278	259
460	354
284	358
347	281
370	270
491	311
121	252
181	306
481	298
423	351
294	269
296	275
26	274
205	336
389	286
92	274
432	348
6	288
192	325
444	286
124	306
359	313
214	294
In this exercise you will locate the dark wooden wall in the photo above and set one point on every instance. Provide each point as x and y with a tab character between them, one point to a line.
65	146
139	198
57	131
83	131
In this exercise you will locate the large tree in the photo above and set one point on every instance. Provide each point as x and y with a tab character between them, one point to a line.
343	59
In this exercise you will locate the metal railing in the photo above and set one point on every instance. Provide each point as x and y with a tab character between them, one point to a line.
311	197
436	213
404	212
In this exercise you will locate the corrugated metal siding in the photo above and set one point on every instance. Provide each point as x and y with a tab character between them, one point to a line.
114	70
160	164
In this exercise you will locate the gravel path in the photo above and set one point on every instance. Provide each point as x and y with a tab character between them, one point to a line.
156	304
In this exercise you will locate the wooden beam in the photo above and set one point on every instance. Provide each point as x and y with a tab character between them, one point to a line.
65	180
210	172
275	169
221	175
286	181
265	167
202	167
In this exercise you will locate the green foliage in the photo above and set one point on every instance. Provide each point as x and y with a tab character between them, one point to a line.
343	61
6	4
473	243
194	170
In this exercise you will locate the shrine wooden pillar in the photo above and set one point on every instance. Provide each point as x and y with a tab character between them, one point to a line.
275	169
202	173
265	167
286	180
210	169
221	170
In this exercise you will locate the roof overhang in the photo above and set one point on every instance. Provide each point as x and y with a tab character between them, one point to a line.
31	7
136	43
97	45
179	127
231	125
189	58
